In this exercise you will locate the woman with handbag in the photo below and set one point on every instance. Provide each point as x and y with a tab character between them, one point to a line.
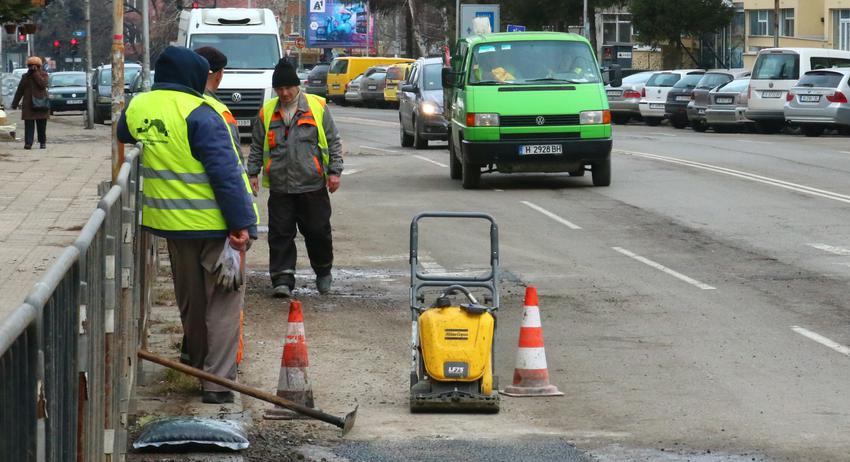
33	100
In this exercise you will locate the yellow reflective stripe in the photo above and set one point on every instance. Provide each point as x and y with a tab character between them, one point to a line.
183	220
190	178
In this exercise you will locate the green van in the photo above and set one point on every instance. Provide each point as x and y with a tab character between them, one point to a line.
527	102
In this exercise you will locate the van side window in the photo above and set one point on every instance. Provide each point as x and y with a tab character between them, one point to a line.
821	62
339	67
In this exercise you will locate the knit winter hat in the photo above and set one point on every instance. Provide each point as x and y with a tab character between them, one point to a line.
216	58
284	75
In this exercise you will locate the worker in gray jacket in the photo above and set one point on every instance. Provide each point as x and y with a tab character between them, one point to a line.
298	150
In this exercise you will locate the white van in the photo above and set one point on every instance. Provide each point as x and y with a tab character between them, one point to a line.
249	38
776	71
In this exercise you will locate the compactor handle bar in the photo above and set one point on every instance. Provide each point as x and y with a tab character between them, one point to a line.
419	281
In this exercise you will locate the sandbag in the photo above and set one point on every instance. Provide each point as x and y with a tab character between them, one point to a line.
176	433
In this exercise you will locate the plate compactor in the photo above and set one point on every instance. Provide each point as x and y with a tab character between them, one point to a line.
452	344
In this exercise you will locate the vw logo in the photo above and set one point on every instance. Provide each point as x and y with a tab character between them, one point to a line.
540	120
236	97
770	85
73	95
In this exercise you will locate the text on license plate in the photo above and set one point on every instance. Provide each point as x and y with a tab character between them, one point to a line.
683	98
317	81
809	98
771	94
74	101
656	106
540	149
614	93
243	122
373	87
723	100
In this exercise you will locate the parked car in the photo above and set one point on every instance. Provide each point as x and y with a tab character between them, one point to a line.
344	69
776	71
352	92
819	101
654	94
624	101
699	97
136	87
420	109
727	106
67	91
676	107
397	74
102	89
317	80
372	86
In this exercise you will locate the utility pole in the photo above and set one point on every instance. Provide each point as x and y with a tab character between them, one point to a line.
457	20
146	42
89	92
117	84
775	23
585	27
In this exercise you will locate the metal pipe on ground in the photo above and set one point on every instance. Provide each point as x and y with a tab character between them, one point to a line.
345	423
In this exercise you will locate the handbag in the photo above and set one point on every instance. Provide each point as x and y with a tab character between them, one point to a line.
40	104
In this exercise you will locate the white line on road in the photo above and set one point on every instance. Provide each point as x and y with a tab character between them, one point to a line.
362	121
432	161
380	149
745	175
831	249
551	215
663	268
661	134
822	340
350	171
844	152
754	141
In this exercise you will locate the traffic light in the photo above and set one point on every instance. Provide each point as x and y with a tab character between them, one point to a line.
57	47
22	38
74	43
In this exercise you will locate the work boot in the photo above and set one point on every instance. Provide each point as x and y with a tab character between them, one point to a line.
282	291
217	397
42	146
323	283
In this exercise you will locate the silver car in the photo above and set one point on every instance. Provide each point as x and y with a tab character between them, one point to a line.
352	91
819	101
624	100
699	96
727	106
420	108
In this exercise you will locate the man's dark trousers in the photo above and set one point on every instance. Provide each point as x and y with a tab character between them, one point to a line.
311	213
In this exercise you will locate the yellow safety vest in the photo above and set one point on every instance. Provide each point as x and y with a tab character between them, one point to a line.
177	192
225	113
317	109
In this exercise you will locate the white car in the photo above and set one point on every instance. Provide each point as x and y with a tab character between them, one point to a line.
819	101
654	94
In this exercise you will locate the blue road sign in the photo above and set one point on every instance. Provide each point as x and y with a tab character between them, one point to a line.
515	28
79	33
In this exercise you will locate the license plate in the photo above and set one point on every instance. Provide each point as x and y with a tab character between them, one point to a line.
243	122
372	87
656	106
336	85
683	98
809	98
772	94
527	149
318	82
723	100
74	101
614	93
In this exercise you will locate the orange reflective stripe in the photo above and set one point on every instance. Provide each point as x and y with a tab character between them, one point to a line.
307	121
272	139
268	165
318	165
229	118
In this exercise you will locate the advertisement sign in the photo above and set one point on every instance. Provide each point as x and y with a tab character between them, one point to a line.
340	24
469	13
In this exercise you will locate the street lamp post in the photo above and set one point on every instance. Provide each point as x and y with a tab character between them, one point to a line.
585	27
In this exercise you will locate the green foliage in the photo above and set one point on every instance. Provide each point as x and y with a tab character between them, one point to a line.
16	12
668	20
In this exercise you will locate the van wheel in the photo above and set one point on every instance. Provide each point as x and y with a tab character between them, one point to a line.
470	175
455	168
406	140
652	121
601	173
813	130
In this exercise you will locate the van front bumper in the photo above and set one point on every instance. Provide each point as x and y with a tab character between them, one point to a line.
505	154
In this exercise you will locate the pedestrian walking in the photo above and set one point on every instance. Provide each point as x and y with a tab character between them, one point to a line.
32	98
198	197
297	148
218	61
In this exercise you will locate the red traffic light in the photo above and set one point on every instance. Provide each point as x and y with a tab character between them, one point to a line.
74	42
196	5
56	44
22	38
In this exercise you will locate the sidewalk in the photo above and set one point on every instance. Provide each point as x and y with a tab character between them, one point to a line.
46	196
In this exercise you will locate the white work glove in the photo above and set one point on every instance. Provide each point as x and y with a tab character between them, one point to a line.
228	268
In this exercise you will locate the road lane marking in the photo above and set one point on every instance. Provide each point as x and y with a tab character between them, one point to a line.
744	175
844	152
551	215
350	171
380	149
822	340
663	268
831	249
362	121
429	160
661	134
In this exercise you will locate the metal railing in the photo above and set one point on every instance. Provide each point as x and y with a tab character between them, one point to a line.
68	353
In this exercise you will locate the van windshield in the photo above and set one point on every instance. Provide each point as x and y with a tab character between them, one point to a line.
243	51
777	66
533	62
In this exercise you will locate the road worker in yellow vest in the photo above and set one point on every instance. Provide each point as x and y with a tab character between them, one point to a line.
297	149
198	197
218	61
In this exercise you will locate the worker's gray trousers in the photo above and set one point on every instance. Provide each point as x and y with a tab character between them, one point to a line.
210	314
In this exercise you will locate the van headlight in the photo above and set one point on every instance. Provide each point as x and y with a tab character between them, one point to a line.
482	119
595	117
429	108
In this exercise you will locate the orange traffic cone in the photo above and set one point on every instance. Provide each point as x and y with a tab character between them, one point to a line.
531	376
293	383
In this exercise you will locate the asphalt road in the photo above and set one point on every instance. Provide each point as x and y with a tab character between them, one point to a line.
693	310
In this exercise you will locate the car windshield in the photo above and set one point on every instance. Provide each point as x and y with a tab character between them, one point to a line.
533	62
641	77
736	86
67	80
663	79
243	51
129	74
432	78
824	79
688	81
777	66
713	80
319	71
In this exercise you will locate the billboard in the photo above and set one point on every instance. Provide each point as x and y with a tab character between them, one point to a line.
338	24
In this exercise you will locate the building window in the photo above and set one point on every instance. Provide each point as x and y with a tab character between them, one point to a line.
616	28
786	22
841	29
761	22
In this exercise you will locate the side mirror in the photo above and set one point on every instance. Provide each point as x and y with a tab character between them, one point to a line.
407	88
449	78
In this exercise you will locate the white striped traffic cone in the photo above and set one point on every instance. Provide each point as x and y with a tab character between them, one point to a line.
293	383
531	376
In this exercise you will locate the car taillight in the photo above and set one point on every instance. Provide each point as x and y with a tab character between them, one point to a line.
837	97
789	97
643	92
631	94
